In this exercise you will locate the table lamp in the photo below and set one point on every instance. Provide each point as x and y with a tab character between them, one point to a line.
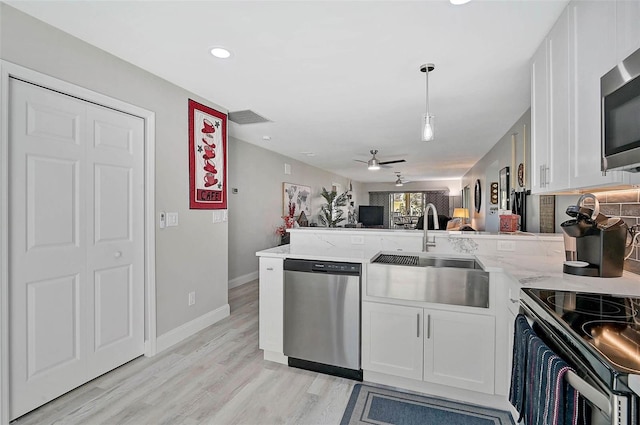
462	213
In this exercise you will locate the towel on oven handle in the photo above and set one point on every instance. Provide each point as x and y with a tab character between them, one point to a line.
539	391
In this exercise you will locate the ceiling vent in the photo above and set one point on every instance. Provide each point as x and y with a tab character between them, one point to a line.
246	117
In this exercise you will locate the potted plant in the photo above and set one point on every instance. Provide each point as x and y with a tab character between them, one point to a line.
331	213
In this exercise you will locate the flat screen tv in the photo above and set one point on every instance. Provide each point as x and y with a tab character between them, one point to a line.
370	215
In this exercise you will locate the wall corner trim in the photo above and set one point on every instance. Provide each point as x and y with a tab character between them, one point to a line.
183	332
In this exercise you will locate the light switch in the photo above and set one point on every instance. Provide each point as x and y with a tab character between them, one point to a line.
225	216
217	216
172	219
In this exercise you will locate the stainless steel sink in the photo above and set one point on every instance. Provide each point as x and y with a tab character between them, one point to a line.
441	280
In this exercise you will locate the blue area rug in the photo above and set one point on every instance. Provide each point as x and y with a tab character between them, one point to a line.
371	405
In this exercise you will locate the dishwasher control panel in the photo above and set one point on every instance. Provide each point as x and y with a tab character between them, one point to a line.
332	267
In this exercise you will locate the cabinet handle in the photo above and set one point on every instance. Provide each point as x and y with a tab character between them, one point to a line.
540	171
269	268
428	326
418	325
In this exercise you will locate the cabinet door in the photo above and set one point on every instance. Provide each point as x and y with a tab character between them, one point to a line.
557	177
392	339
539	118
271	304
459	350
593	56
627	28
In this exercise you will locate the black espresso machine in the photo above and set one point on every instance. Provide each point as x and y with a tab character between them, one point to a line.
600	241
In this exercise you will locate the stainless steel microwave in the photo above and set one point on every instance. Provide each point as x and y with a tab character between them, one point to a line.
620	106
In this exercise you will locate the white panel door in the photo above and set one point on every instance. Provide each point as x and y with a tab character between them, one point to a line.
75	243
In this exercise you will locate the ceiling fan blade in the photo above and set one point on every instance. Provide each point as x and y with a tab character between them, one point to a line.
392	162
357	160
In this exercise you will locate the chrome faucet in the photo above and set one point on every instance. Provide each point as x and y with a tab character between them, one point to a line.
425	226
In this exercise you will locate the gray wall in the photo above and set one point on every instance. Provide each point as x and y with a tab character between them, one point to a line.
256	210
487	169
190	257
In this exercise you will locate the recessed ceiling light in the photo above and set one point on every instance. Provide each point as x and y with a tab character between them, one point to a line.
220	52
308	153
266	138
459	2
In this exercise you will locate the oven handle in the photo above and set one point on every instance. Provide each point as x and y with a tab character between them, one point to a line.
588	391
601	401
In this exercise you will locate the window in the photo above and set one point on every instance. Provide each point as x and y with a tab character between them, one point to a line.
406	208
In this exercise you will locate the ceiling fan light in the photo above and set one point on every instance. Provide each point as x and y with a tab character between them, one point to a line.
428	130
373	164
399	182
459	2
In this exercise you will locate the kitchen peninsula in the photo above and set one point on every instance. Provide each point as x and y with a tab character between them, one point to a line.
482	378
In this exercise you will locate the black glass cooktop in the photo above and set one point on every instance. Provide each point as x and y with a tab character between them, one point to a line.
609	323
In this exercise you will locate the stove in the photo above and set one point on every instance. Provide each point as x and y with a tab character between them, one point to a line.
598	335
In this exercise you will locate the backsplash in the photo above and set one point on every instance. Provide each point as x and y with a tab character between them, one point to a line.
626	205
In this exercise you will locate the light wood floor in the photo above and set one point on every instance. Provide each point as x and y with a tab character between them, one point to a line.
215	377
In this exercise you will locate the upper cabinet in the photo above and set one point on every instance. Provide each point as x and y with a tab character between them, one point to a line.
627	28
589	39
550	110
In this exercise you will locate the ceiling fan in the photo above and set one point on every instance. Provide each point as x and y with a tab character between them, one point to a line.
400	180
375	164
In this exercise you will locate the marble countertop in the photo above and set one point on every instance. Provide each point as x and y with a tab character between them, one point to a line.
419	233
530	271
545	272
323	253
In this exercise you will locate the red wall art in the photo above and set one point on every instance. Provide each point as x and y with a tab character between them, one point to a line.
207	157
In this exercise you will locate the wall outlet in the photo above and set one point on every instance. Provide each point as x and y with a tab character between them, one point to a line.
192	298
357	240
506	245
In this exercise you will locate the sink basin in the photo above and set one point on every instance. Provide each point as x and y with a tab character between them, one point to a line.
420	277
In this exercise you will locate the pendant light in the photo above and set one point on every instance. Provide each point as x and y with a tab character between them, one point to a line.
427	119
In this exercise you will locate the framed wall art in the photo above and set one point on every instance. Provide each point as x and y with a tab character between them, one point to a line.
207	157
298	197
494	193
504	188
477	196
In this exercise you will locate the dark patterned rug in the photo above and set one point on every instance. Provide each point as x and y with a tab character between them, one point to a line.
372	405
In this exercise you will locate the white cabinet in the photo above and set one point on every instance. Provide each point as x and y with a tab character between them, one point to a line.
437	346
627	28
271	308
392	339
593	56
459	350
539	118
557	177
550	110
565	93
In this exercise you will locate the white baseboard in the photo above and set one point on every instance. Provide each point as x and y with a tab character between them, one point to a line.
241	280
190	328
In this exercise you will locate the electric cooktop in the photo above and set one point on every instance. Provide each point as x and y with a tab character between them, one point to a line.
608	323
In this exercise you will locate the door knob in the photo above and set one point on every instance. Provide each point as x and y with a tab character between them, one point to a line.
117	254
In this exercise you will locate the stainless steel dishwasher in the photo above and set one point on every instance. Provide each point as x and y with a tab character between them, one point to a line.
322	316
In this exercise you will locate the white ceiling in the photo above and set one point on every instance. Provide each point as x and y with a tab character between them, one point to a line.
337	78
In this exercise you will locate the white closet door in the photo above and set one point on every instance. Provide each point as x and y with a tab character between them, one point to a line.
75	243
